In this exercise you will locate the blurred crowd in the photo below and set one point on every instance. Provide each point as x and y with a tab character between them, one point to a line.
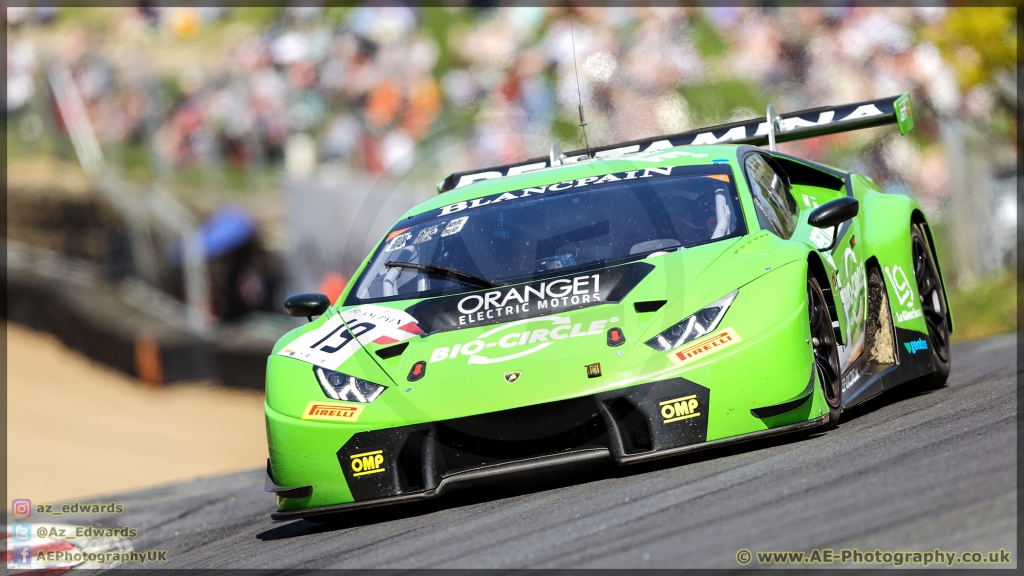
387	90
364	87
370	86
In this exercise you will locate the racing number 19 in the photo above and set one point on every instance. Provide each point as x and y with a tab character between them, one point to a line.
346	336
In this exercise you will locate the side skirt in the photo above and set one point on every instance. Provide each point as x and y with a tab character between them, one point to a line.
892	364
879	378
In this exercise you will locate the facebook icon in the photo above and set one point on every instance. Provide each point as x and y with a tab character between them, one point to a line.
22	555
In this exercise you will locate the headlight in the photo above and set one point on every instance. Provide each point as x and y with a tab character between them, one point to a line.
338	386
694	326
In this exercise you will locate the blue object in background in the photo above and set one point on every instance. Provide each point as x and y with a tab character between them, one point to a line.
226	229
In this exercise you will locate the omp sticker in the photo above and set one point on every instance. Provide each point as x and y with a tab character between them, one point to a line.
678	409
367	463
704	346
332	343
516	341
346	412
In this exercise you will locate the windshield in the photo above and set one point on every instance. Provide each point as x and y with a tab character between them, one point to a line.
551	230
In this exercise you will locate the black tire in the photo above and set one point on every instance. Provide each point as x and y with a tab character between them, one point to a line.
933	305
826	351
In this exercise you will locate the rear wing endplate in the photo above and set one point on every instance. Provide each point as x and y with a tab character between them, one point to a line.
792	126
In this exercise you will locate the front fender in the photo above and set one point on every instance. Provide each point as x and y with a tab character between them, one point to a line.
772	361
743	263
886	235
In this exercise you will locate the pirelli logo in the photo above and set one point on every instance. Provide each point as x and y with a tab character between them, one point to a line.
704	346
367	463
343	412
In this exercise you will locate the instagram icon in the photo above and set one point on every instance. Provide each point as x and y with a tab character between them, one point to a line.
21	508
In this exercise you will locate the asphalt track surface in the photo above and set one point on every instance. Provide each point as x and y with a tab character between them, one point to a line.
910	471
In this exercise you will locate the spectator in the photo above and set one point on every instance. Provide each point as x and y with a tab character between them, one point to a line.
372	85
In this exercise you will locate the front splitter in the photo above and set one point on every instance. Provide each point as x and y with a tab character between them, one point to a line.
530	464
451	480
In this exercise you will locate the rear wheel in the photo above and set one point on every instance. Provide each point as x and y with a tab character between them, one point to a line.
933	306
826	351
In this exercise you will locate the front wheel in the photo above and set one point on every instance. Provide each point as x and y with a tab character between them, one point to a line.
826	351
933	305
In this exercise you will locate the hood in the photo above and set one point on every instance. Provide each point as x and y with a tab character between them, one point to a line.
528	343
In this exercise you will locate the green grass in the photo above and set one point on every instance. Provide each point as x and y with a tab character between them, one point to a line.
265	16
707	40
95	19
437	23
17	147
135	166
565	130
713	102
985	308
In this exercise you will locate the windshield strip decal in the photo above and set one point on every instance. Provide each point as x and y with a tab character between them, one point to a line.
547	189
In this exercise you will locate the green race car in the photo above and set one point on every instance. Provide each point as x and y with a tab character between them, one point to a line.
629	302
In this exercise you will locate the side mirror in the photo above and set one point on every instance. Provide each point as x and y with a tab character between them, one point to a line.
832	214
307	305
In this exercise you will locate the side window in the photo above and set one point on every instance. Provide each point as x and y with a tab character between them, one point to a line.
774	204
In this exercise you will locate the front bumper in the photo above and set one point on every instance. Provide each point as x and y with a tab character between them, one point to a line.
645	407
373	468
538	463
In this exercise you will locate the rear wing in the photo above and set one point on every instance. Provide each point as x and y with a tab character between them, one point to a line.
792	126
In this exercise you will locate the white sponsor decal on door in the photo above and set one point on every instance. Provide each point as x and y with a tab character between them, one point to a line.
904	290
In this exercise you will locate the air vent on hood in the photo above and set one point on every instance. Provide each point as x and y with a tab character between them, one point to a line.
392	351
649	305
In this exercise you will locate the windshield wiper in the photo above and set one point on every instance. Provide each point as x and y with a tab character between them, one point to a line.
443	272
